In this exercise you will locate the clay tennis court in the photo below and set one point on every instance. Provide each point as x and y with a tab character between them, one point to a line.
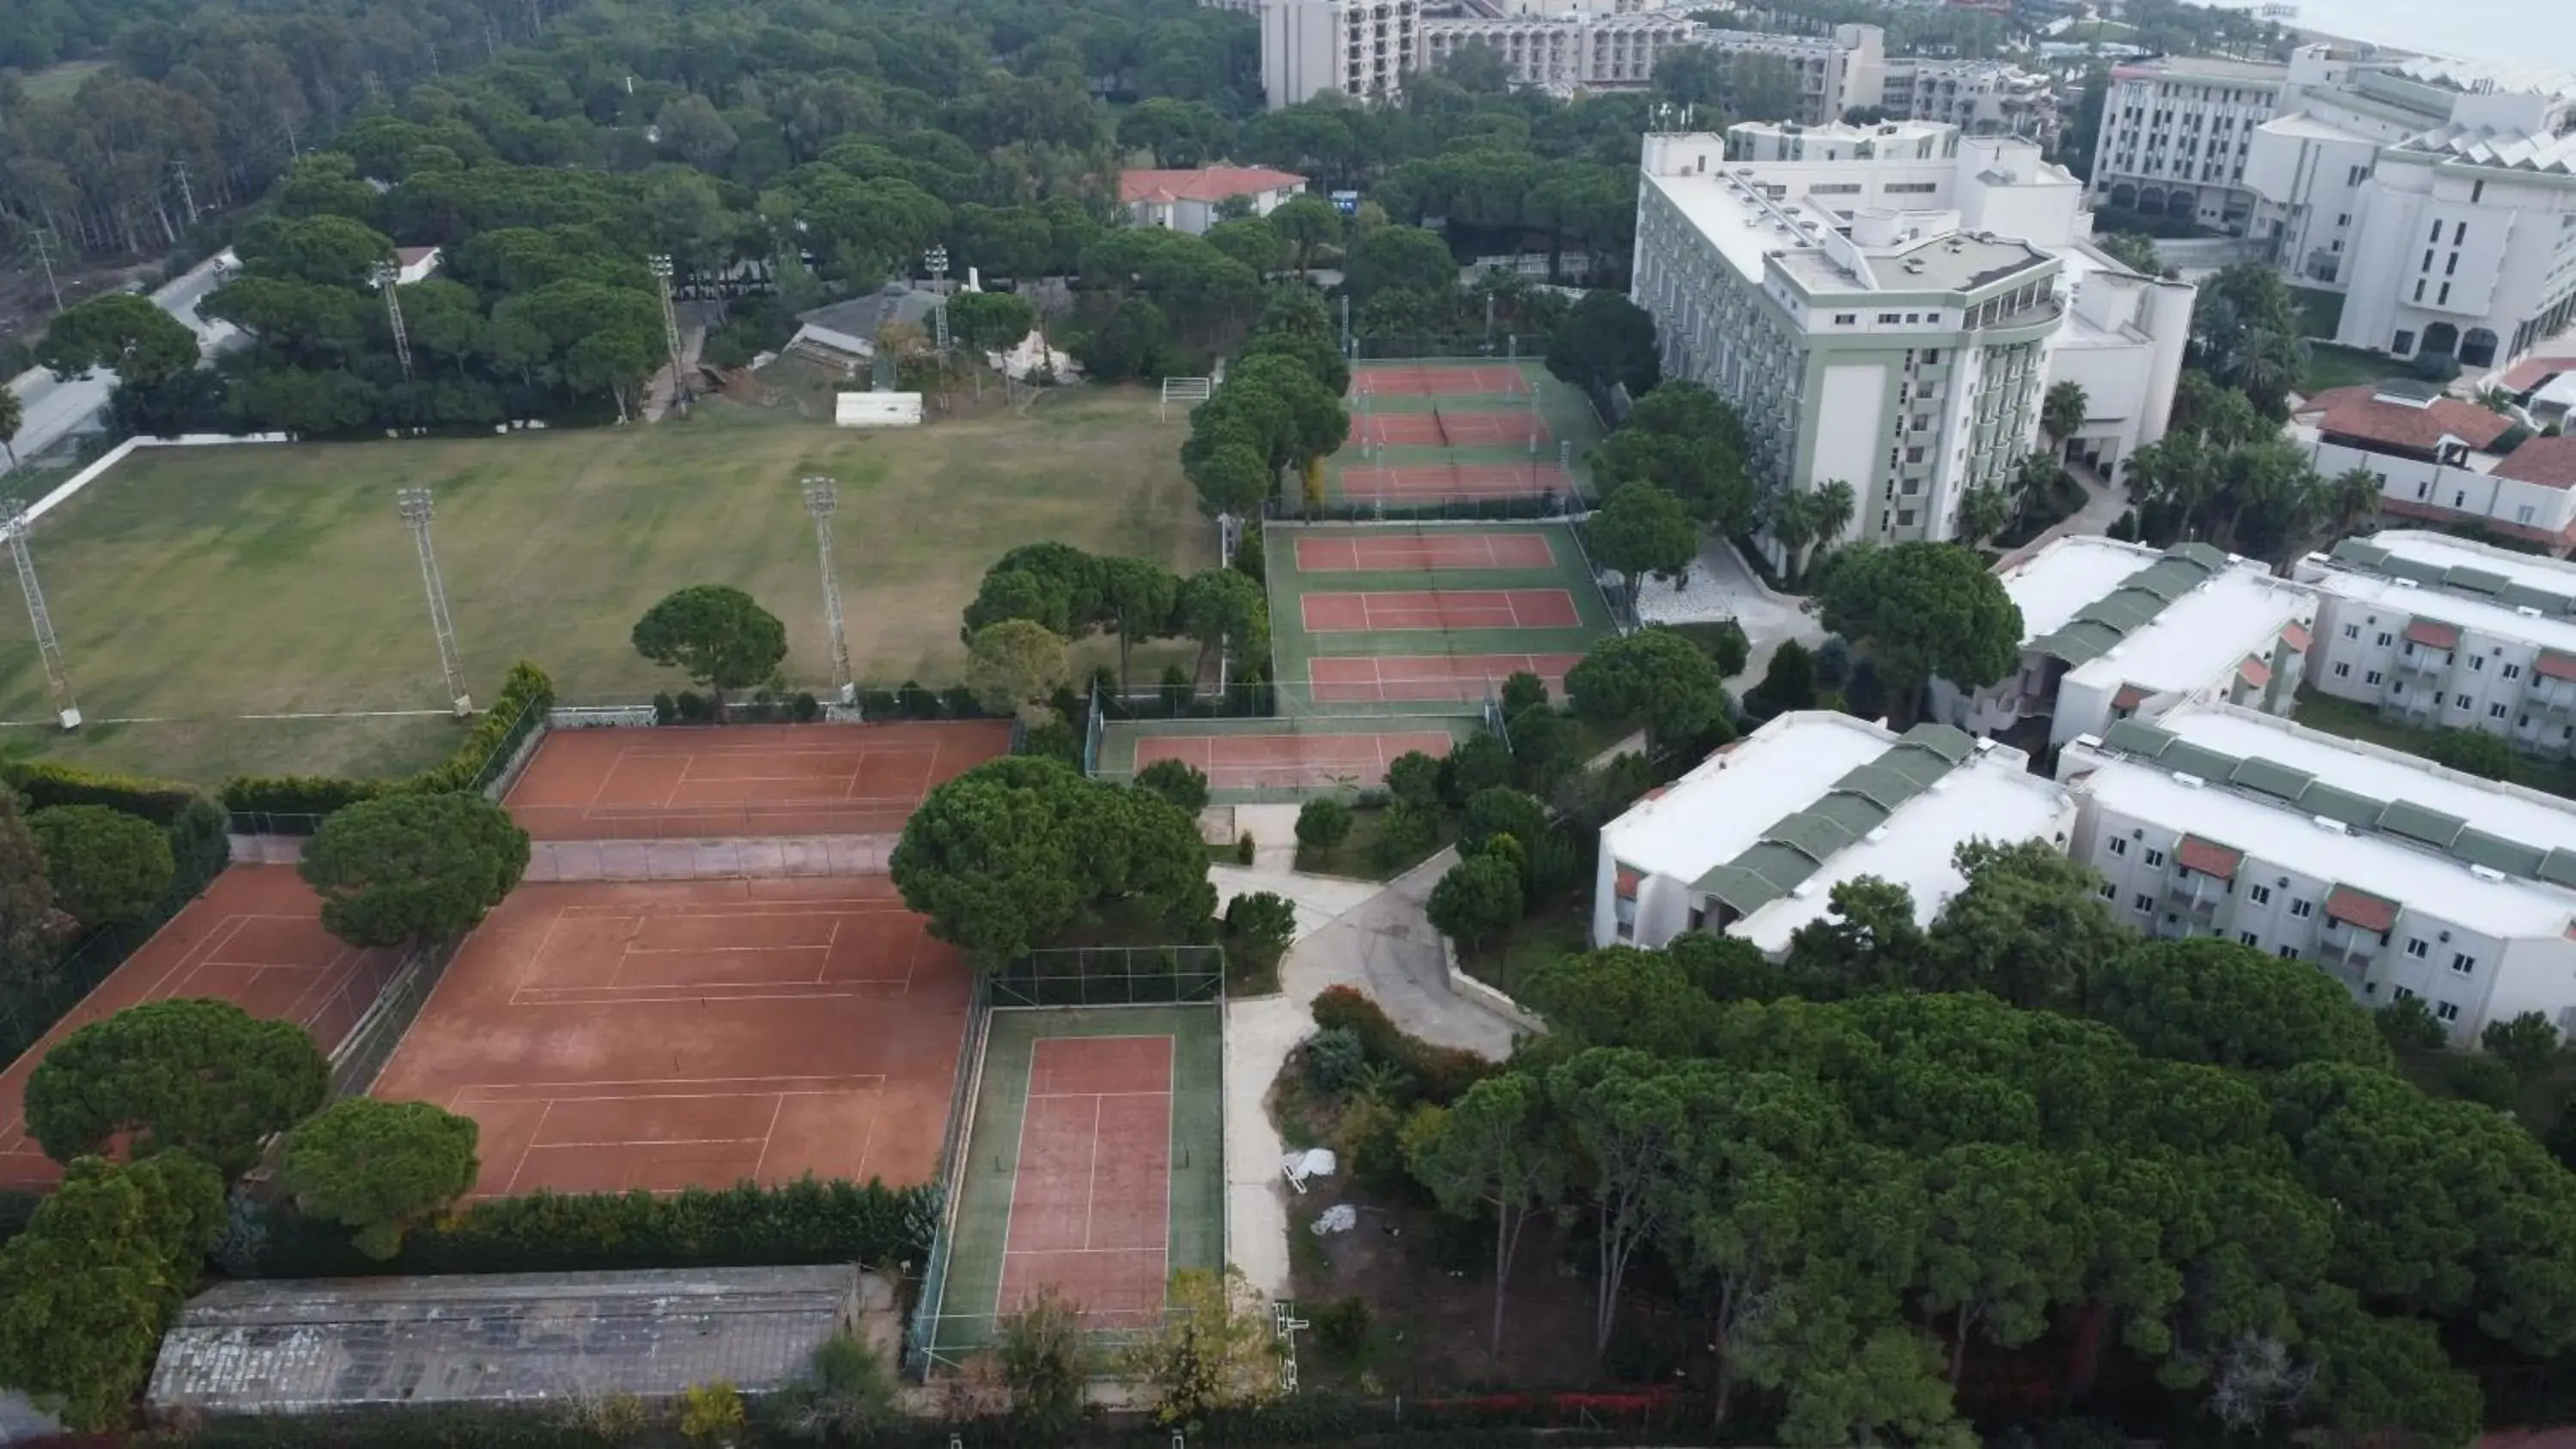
1347	679
1396	553
1091	1210
255	939
663	1036
1480	429
1245	762
1423	379
1421	481
1382	610
619	784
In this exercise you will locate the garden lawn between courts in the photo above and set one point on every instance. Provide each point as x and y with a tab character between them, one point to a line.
191	586
1463	606
1486	434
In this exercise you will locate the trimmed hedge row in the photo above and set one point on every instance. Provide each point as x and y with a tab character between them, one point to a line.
527	691
1442	1074
45	785
807	1221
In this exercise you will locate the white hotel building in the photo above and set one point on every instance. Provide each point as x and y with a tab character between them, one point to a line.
1752	842
2115	631
2396	876
1887	305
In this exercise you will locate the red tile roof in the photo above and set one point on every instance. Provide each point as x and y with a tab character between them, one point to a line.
2208	857
1208	183
1628	882
2297	637
2256	672
2361	909
2549	462
2129	697
2533	371
414	256
2554	665
2356	412
2433	634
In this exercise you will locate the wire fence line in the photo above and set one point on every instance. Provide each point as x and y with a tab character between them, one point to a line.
1112	976
921	1333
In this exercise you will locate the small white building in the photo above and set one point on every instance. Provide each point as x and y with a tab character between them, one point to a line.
2443	460
2432	658
2396	876
416	264
2114	631
1752	842
1188	201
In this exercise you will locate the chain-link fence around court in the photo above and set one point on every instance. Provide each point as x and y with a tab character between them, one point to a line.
1112	976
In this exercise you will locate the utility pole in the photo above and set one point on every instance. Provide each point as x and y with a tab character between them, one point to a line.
661	265
388	278
415	506
57	680
822	495
46	257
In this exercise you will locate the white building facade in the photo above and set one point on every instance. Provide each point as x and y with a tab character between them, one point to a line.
1980	97
1363	49
2115	631
2431	658
2176	133
1836	73
1752	842
1567	50
2443	460
2397	877
1915	299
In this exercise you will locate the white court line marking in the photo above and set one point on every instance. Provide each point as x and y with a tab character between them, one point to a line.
1019	1143
527	1148
1091	1189
1171	1174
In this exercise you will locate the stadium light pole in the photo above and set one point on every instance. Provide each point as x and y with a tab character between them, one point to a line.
660	263
822	495
388	279
414	504
57	679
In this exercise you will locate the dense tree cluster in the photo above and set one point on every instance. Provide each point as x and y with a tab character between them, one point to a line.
1280	408
1687	441
1070	595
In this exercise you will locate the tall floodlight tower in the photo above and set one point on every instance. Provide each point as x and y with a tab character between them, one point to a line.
56	679
822	495
415	506
388	279
661	265
936	260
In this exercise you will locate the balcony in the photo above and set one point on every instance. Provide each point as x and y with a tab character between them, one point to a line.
2347	953
2423	661
2196	894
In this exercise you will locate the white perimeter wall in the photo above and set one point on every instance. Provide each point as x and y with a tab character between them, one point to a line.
877	410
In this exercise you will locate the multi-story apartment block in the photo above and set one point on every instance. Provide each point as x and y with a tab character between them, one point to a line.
1886	320
1363	49
2444	460
2397	877
1567	50
1752	842
1835	73
2433	658
2114	631
2175	135
1980	97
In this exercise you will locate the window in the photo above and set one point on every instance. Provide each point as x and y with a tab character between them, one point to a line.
1932	354
1890	319
2352	631
2289	953
2143	905
2404	344
2523	514
2462	963
2119	846
2259	895
2511	671
2343	218
2445	1011
2343	671
2419	290
2110	892
2248	938
2403	994
2155	857
2477	192
1905	518
1913	317
2303	908
2386	639
2371	678
2443	297
2416	947
2477	663
2459	232
2399	690
2495	711
1845	319
2459	701
2437	233
2428	255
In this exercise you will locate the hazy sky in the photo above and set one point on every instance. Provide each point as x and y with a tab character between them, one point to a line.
2513	32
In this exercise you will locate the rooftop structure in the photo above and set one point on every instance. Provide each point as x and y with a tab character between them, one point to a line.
1188	201
302	1346
1908	283
2463	566
2397	876
2441	658
2116	630
1752	841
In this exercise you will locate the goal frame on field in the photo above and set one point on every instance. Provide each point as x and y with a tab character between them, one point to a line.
1187	391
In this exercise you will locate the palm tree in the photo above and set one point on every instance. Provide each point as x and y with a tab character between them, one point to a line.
2352	497
1794	521
2032	481
1835	505
1983	511
2061	412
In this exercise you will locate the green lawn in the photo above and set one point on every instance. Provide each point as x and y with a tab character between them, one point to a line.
61	82
2320	311
2332	366
2360	722
194	586
1507	962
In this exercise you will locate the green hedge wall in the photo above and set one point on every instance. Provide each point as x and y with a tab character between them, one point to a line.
525	697
45	784
808	1221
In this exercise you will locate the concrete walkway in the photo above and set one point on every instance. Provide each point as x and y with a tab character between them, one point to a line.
1362	935
2104	502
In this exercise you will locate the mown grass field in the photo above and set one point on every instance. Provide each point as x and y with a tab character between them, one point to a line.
194	586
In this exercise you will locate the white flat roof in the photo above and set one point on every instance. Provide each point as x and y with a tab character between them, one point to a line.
2440	550
1989	796
2052	584
2414	877
2502	620
2544	822
1721	809
2202	635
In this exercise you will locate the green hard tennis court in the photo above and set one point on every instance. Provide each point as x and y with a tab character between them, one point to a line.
1094	1166
1463	606
1463	431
